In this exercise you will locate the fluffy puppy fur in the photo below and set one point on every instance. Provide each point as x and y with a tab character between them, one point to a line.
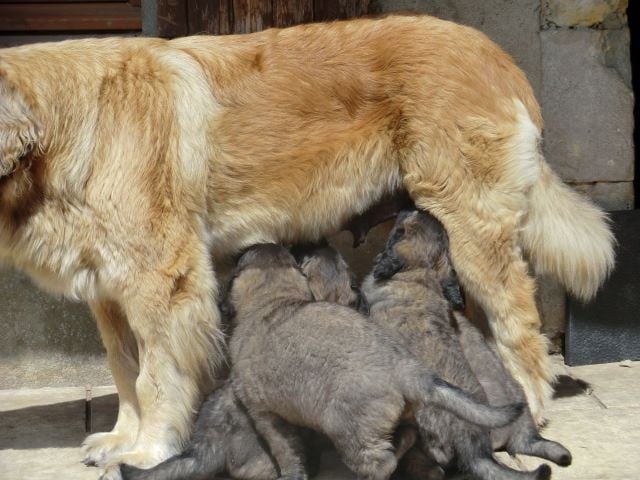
224	440
127	165
409	291
331	280
522	436
329	276
363	383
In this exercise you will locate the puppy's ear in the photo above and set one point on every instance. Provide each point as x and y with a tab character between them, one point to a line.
19	130
388	263
452	292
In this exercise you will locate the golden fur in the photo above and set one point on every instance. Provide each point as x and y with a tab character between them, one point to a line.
135	159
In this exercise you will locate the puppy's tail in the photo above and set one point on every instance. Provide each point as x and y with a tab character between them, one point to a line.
567	236
187	466
435	391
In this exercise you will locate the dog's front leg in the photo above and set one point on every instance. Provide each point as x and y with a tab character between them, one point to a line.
173	315
122	354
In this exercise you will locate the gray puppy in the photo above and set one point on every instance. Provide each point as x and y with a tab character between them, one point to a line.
411	292
329	276
522	436
224	440
325	367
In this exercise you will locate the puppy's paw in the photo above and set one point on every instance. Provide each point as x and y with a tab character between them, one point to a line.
100	448
111	472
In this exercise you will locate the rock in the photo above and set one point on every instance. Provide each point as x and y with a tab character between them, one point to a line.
610	196
585	13
587	107
551	300
615	47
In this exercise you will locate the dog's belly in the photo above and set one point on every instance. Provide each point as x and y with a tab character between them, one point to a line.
289	208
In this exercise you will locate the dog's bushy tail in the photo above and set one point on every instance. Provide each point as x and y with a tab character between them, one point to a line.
435	391
191	465
567	236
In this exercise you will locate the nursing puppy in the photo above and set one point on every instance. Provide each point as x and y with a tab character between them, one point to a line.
329	276
409	292
224	440
331	280
324	366
125	167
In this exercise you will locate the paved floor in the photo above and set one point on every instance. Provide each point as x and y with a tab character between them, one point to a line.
596	415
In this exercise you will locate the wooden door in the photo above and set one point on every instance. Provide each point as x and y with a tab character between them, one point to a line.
190	17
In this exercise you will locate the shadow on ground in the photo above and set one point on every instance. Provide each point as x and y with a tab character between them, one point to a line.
56	425
567	386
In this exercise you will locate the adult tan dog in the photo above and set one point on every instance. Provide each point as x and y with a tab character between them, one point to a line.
126	162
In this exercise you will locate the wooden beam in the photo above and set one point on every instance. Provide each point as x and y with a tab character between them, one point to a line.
252	15
81	16
292	12
172	18
339	9
209	16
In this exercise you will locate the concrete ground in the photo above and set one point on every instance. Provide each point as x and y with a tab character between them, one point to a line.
596	414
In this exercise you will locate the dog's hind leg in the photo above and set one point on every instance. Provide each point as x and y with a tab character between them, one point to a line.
529	442
284	443
363	439
122	355
474	455
173	314
475	180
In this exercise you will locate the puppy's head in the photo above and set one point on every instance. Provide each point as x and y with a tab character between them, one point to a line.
265	257
20	132
419	241
329	277
264	272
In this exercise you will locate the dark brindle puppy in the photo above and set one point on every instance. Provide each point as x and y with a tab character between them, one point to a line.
325	367
408	292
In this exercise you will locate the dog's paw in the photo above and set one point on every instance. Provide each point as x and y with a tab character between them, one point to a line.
100	448
111	472
144	458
